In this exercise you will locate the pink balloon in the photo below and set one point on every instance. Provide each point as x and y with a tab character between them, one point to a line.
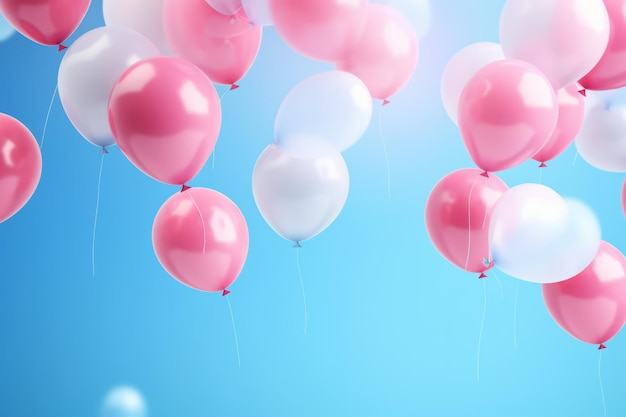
457	216
386	55
48	22
165	116
591	306
319	29
570	119
224	51
20	166
201	238
610	72
507	112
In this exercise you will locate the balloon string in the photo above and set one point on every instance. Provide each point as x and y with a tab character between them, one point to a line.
214	148
202	220
232	319
382	140
601	385
469	228
45	125
499	282
575	158
95	220
301	287
482	326
540	175
515	315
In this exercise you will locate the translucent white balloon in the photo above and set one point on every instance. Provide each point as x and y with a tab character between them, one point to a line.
461	68
565	39
417	12
299	198
537	236
124	401
89	70
258	11
225	7
325	113
602	138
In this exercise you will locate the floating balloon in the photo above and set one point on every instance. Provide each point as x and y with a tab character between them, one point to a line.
602	138
225	7
201	238
124	401
299	198
89	70
537	236
507	112
165	116
563	38
591	306
258	11
325	113
458	210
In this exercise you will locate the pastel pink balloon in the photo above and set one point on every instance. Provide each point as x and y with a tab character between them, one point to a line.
570	119
591	306
165	116
610	72
201	238
48	22
507	112
20	166
386	55
319	29
190	27
457	216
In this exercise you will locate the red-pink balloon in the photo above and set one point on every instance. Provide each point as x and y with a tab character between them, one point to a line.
570	119
319	29
48	22
610	72
507	112
457	216
201	238
20	166
224	51
591	306
386	55
165	116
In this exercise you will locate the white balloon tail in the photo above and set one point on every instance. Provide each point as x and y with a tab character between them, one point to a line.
382	140
600	380
515	315
306	319
482	326
232	319
45	125
103	152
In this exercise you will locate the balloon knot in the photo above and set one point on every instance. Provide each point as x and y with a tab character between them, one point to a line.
297	245
61	47
225	293
103	151
234	87
482	275
543	165
385	102
485	174
583	92
184	188
602	346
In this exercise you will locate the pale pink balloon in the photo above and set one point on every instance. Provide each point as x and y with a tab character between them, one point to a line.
458	210
570	119
386	55
48	22
20	166
591	306
319	29
165	116
191	30
201	238
507	112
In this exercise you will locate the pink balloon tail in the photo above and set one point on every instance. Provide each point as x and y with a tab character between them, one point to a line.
233	20
297	245
61	47
602	346
583	92
225	292
184	188
543	165
482	275
234	87
385	102
103	151
485	174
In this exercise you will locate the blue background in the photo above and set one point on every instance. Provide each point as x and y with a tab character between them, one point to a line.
393	328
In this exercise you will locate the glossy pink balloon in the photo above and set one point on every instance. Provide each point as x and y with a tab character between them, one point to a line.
569	122
20	166
610	72
319	29
591	306
386	55
201	238
165	116
48	22
457	216
193	31
507	112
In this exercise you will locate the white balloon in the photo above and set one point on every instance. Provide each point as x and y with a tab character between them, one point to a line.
225	7
537	236
602	138
324	113
258	11
461	68
90	68
299	198
124	401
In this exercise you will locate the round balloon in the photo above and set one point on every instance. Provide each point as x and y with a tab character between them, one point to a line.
601	141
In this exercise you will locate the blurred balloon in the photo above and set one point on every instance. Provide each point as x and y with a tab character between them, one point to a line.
320	29
201	238
143	16
458	210
461	68
325	113
48	22
507	112
165	116
386	55
88	72
571	115
591	306
563	38
123	401
258	11
20	166
6	30
225	7
182	17
537	236
417	12
610	72
299	198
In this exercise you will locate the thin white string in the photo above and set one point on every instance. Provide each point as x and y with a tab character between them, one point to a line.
95	220
601	385
302	287
232	319
382	140
482	325
45	125
201	219
515	316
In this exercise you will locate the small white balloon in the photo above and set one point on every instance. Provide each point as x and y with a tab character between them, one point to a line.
601	141
258	11
124	401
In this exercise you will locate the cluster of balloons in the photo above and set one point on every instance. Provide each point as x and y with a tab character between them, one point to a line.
523	99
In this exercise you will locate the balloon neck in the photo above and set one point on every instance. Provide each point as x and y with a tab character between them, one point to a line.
225	292
602	346
61	47
233	20
385	102
103	151
482	275
233	87
297	245
485	174
184	188
583	92
543	165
